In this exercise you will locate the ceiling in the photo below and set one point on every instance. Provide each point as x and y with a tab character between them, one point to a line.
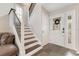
50	7
27	5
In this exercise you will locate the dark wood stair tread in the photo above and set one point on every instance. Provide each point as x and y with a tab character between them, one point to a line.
26	28
17	24
32	48
30	42
29	38
18	29
27	31
28	34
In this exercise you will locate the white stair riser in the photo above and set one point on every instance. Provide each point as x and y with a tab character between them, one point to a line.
27	32
27	29
29	36
26	41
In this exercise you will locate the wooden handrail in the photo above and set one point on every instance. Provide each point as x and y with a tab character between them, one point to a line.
31	8
14	13
11	10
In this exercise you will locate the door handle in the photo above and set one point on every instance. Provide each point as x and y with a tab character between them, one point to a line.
63	30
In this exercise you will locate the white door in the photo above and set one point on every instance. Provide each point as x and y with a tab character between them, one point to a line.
58	35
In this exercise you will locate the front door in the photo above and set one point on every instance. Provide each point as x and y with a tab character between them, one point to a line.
58	30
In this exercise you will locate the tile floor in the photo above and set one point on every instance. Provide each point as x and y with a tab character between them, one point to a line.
55	50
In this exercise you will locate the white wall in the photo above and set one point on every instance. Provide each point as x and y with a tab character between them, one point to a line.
25	15
45	26
4	8
39	20
24	11
36	21
4	23
77	29
64	9
4	20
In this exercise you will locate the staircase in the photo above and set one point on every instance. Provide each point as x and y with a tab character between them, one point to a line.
28	44
31	43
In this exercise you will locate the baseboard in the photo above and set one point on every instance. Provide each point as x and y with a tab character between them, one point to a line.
77	52
66	47
44	44
57	44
